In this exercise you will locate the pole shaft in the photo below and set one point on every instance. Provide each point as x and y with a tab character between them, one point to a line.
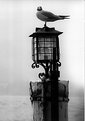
54	90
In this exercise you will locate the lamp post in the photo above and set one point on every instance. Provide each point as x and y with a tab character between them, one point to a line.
45	52
45	43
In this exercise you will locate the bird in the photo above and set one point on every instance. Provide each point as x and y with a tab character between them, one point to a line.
47	16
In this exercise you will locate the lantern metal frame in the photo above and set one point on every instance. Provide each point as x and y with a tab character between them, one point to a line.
51	33
43	49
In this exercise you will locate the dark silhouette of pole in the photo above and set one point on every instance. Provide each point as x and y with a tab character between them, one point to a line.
54	90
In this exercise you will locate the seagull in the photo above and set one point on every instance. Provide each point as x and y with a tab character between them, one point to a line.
48	16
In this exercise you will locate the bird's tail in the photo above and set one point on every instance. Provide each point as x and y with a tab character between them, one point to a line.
64	17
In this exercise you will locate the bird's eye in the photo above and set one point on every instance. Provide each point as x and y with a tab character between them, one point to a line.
39	8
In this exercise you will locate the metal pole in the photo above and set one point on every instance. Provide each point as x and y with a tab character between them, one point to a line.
54	90
44	100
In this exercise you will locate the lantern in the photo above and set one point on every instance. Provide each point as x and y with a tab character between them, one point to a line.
43	42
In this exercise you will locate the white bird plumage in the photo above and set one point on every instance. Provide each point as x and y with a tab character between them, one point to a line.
48	16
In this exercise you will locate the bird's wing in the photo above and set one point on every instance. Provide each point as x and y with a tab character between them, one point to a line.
48	14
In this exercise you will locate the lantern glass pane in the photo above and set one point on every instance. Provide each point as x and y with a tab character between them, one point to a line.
45	48
54	44
40	39
34	41
40	44
34	44
35	51
47	57
50	44
49	50
41	56
47	44
40	50
35	57
48	39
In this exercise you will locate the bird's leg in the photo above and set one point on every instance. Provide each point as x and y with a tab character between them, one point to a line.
45	24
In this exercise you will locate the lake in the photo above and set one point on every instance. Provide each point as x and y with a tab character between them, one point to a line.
19	108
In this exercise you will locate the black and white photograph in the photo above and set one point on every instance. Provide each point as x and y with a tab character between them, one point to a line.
42	60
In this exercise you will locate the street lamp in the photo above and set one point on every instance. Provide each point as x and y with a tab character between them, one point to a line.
49	97
45	52
45	43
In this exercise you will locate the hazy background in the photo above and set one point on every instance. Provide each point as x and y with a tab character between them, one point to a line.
17	21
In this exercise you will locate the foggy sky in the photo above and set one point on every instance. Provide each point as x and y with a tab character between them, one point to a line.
17	22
